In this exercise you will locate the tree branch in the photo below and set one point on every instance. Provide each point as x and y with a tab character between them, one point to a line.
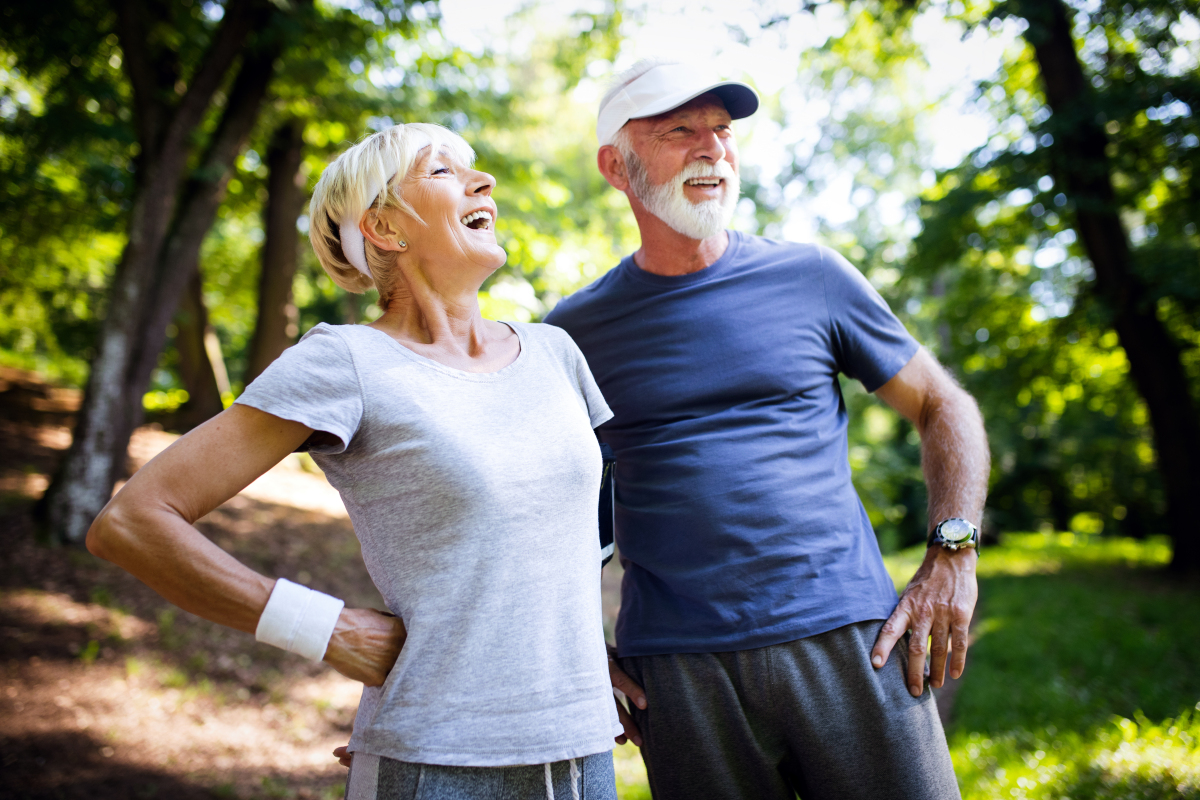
131	32
241	16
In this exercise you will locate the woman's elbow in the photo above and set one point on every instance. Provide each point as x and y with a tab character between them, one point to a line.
109	530
97	534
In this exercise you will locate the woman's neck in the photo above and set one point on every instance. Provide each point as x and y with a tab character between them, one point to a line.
446	326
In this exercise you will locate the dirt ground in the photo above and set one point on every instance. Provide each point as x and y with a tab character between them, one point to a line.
106	691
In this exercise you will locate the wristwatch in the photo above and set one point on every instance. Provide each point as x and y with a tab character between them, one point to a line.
955	534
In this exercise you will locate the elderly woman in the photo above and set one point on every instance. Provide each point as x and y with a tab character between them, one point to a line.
463	450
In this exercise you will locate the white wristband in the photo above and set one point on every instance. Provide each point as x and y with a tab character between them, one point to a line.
299	619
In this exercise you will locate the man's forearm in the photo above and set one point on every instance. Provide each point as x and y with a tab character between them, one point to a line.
940	599
955	458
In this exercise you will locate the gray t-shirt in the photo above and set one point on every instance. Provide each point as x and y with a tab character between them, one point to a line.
474	497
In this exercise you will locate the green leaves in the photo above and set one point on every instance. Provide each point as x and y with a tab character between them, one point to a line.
1069	433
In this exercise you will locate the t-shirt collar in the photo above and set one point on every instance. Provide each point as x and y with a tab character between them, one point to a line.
715	270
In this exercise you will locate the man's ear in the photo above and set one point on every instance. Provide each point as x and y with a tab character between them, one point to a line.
612	166
380	229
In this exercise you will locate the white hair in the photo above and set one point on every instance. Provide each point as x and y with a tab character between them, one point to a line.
369	174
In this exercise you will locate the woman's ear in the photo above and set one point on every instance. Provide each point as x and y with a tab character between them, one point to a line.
381	229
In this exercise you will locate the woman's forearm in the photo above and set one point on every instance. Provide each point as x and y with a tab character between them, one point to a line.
147	528
168	554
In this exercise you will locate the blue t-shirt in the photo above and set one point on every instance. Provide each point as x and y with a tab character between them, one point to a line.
736	520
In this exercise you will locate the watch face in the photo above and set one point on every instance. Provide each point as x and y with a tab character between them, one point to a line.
955	530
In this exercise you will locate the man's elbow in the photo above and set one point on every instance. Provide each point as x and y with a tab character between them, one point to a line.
950	404
969	404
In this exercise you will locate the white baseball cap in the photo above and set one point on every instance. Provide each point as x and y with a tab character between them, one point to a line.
667	86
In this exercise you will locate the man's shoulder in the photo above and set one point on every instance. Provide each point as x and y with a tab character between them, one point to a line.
581	303
836	272
753	248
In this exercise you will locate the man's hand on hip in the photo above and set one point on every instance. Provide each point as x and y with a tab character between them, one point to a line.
626	686
936	606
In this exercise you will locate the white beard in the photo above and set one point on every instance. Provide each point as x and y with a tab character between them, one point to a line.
668	202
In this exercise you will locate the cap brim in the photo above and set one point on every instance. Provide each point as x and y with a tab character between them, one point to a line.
740	100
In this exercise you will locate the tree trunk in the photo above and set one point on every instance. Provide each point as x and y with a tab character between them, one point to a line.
278	320
202	195
197	368
1082	168
160	257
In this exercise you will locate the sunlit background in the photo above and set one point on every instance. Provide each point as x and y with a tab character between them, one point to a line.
915	138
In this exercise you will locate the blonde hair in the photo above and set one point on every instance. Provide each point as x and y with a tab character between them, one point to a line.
369	174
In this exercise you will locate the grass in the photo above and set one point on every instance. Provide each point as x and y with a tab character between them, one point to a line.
1083	681
631	773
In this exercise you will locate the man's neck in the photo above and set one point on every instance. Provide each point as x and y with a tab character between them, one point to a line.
665	251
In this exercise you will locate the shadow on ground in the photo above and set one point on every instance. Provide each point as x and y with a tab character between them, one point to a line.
107	691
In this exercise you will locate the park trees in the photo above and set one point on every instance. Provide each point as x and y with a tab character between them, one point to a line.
302	82
1093	184
177	184
172	208
184	87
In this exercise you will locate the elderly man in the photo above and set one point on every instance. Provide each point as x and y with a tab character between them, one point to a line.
758	629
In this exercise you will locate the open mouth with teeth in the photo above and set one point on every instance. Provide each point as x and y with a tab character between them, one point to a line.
704	183
477	220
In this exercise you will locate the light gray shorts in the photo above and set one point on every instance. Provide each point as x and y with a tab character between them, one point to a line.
810	717
380	778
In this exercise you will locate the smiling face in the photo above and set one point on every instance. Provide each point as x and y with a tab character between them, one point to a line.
683	166
457	216
448	242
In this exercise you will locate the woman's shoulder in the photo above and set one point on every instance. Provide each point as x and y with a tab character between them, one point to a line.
325	329
317	343
555	344
315	381
323	348
549	335
349	337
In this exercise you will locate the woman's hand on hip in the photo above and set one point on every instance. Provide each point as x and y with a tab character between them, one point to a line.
365	644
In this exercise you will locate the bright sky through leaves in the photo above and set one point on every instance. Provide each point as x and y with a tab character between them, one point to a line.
739	40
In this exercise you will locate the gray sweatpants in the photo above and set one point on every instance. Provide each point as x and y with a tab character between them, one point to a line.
378	778
810	717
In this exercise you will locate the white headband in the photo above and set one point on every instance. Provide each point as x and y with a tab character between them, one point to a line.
354	246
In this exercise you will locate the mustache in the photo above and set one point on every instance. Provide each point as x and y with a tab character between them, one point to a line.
704	169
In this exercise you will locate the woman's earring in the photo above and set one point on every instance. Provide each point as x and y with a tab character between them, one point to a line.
403	243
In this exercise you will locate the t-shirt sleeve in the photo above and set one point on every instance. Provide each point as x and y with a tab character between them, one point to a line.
314	382
585	384
870	343
598	409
